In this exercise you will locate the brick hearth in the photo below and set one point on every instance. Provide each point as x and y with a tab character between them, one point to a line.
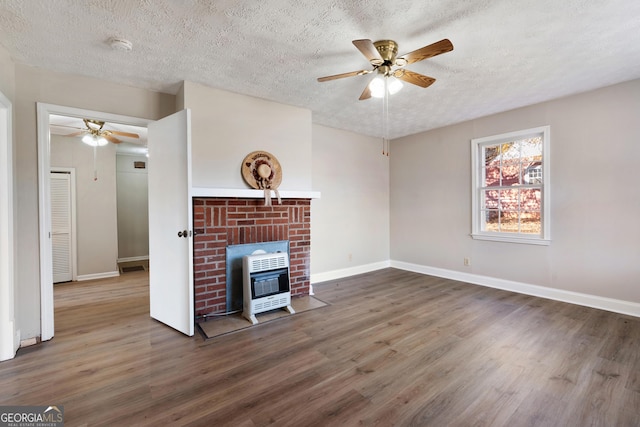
219	222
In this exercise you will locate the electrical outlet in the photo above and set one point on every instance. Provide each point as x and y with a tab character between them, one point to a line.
467	261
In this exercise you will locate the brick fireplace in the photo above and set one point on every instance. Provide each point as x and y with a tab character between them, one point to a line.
222	221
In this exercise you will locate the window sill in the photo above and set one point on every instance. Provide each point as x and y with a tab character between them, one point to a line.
512	239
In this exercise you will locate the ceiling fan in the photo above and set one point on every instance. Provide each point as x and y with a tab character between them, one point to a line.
382	56
94	134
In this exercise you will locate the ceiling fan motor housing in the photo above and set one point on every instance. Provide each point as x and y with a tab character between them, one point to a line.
388	50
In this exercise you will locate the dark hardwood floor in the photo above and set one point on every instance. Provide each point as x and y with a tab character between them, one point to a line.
393	348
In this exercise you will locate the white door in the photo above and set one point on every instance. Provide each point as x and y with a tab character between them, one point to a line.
170	222
61	227
9	336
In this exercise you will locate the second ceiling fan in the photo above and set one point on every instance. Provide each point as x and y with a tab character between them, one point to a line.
94	131
383	57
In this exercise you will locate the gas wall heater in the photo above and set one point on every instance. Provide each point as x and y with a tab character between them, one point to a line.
265	284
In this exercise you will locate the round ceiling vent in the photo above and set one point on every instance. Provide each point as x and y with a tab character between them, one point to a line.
120	44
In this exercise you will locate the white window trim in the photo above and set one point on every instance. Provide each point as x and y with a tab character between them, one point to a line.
476	229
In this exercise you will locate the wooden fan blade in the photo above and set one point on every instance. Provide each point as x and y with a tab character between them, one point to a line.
430	51
111	139
64	126
366	93
343	75
82	132
414	78
369	51
127	134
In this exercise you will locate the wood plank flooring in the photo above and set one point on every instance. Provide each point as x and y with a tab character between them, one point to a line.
393	348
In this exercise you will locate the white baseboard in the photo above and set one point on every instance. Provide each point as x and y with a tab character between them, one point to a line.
94	276
587	300
346	272
134	258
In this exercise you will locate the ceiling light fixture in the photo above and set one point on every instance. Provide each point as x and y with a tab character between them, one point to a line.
377	86
94	140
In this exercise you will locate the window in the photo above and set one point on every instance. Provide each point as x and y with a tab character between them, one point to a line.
511	187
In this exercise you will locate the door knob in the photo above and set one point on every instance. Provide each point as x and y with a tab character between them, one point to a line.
182	233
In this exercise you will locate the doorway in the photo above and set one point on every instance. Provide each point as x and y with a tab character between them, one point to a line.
44	113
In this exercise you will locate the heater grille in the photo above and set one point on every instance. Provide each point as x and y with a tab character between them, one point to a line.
269	304
272	262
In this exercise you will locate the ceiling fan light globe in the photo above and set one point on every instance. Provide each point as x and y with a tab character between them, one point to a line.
377	87
94	140
394	85
90	140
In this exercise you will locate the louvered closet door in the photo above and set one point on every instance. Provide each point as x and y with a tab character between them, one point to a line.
61	226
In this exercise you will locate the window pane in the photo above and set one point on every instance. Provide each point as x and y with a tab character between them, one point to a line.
530	223
509	200
530	199
531	149
491	199
532	173
509	222
492	176
509	150
510	172
530	214
491	220
489	153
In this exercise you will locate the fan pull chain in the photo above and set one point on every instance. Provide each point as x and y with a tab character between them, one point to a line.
385	118
95	163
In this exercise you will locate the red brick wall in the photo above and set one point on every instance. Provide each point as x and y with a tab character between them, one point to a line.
219	222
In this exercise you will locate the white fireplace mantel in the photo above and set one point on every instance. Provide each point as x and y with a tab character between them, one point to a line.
251	193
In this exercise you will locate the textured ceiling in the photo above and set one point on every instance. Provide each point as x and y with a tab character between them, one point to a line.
508	53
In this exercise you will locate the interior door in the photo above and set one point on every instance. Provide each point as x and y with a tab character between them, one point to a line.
170	222
61	227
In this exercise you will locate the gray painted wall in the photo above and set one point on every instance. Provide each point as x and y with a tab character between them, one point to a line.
133	207
7	74
595	199
226	126
350	222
